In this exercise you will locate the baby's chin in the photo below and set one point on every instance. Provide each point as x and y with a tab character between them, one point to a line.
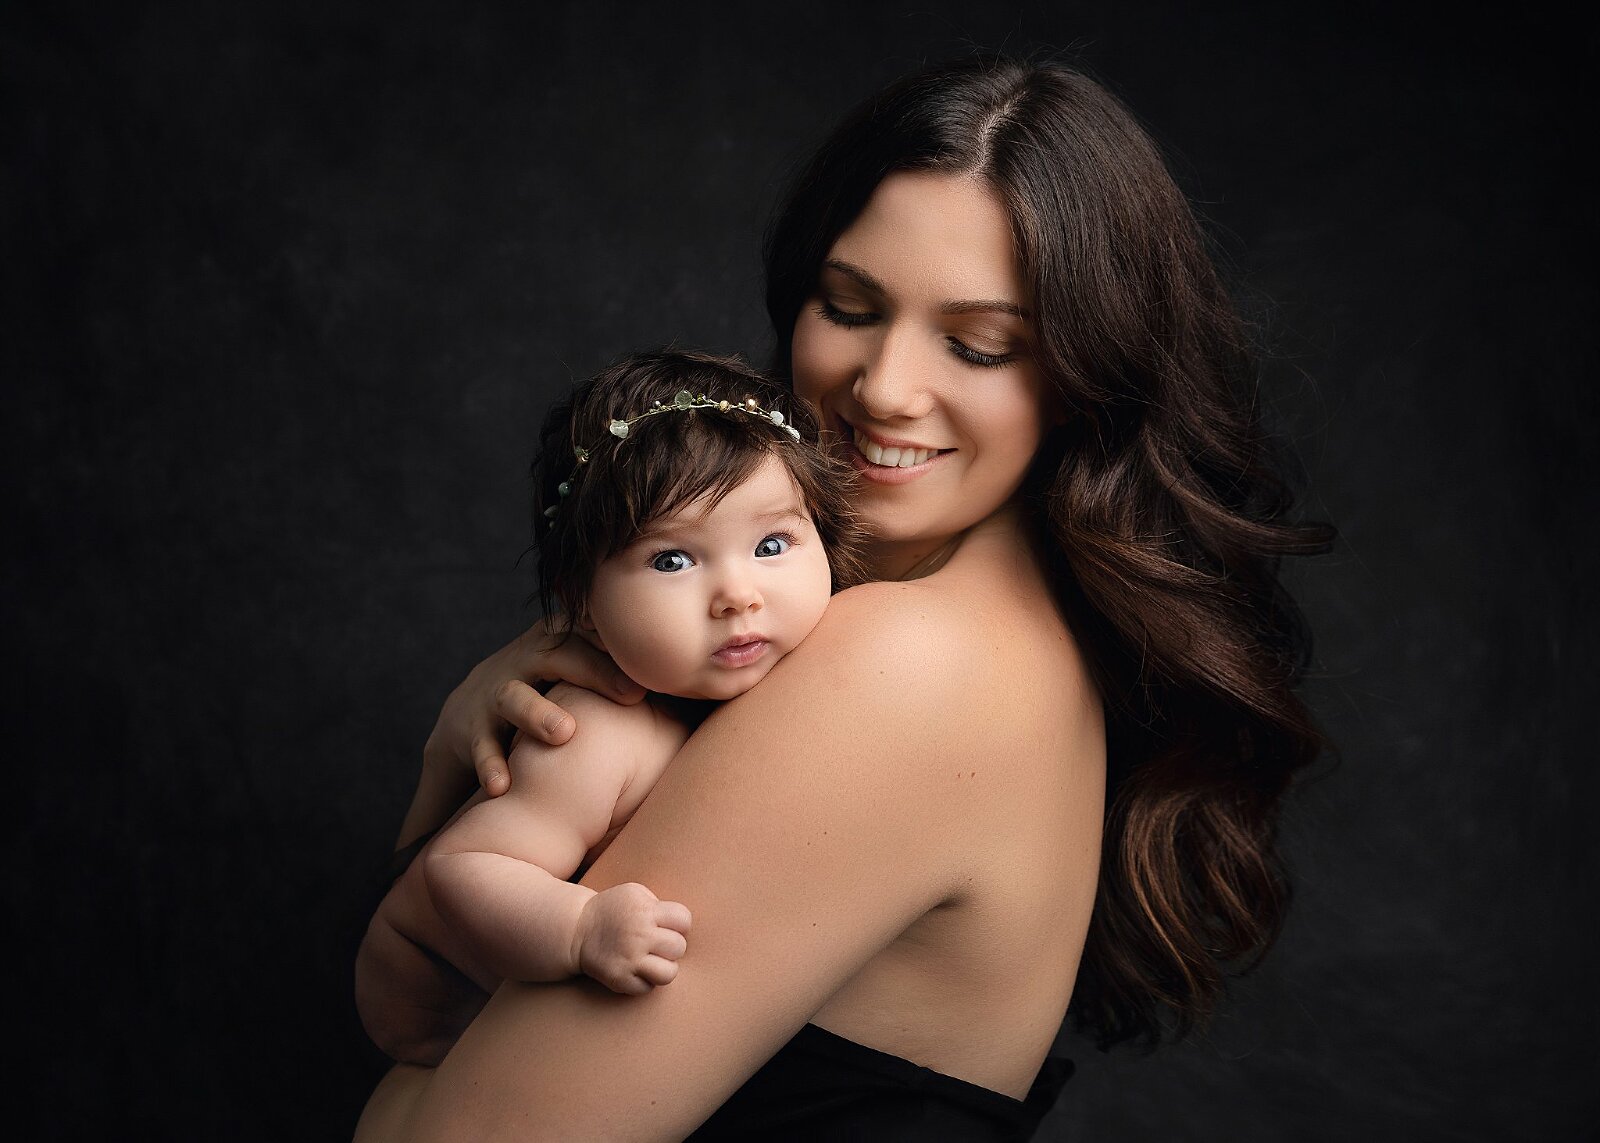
730	684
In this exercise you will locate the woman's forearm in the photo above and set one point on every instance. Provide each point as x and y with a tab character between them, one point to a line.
803	854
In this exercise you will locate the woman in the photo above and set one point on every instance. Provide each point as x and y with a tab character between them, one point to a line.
899	847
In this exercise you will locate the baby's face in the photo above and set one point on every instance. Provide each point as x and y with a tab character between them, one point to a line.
706	603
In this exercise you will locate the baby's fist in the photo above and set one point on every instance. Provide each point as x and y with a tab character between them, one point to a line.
629	940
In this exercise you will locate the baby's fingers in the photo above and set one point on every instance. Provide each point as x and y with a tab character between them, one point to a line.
668	944
655	970
671	915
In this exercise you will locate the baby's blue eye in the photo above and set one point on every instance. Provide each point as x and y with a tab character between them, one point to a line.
673	561
772	546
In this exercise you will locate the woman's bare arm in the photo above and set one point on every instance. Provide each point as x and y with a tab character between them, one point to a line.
808	824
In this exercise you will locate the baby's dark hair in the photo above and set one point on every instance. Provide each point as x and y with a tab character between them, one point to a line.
669	461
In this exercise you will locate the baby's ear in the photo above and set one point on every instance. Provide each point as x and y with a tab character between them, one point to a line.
585	628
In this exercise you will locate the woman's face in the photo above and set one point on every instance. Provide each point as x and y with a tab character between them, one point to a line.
916	349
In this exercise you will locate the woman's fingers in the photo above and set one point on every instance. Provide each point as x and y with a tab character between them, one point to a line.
499	691
528	710
573	661
577	662
490	763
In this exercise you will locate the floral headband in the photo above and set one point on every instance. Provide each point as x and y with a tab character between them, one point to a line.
682	401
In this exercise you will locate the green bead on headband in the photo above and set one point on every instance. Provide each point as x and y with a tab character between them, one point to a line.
683	401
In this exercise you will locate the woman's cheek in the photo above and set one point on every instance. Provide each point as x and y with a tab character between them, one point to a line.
813	357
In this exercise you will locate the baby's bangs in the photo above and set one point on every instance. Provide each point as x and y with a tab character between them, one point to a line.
704	454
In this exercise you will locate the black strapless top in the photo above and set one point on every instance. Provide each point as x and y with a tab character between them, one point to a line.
822	1086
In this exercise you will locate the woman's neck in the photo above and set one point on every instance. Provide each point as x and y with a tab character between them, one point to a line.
914	559
911	559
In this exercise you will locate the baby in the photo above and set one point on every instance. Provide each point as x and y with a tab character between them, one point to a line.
690	526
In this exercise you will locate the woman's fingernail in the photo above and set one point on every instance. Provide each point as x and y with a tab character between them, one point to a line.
555	725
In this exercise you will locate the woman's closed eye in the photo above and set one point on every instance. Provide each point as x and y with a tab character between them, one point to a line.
847	318
854	319
977	356
671	560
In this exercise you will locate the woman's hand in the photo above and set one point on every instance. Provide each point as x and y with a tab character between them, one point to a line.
465	748
500	691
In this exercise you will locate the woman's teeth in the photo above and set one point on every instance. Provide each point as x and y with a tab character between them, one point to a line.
891	457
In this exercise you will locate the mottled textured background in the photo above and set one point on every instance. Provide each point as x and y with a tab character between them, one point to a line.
286	287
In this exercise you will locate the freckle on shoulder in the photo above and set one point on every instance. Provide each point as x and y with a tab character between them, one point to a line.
892	603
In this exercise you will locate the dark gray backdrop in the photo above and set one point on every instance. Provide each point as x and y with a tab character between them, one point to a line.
286	290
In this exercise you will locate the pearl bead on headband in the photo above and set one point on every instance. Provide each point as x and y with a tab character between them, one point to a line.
682	401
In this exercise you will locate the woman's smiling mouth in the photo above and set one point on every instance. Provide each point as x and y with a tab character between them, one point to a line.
892	457
888	461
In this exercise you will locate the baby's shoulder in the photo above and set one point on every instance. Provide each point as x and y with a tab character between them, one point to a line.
611	744
648	723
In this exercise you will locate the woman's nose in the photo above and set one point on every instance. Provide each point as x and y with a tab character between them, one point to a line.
892	382
736	592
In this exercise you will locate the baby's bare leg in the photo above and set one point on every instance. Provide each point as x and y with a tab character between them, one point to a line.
412	989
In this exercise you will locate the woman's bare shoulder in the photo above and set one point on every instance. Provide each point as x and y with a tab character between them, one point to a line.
808	823
947	644
888	651
897	615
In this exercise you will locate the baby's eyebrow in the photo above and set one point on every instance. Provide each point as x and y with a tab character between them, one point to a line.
657	530
788	512
652	532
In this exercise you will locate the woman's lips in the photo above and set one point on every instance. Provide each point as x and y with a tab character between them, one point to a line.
884	462
892	456
741	651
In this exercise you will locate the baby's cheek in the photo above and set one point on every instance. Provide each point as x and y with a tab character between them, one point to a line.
821	592
643	665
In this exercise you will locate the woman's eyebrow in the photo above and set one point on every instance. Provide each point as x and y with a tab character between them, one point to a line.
868	282
862	278
982	307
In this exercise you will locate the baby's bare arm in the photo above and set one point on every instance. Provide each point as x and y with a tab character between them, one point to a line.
498	874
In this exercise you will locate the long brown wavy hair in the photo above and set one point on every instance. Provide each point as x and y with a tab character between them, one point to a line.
1161	500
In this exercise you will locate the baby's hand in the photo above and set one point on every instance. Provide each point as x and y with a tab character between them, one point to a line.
629	940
